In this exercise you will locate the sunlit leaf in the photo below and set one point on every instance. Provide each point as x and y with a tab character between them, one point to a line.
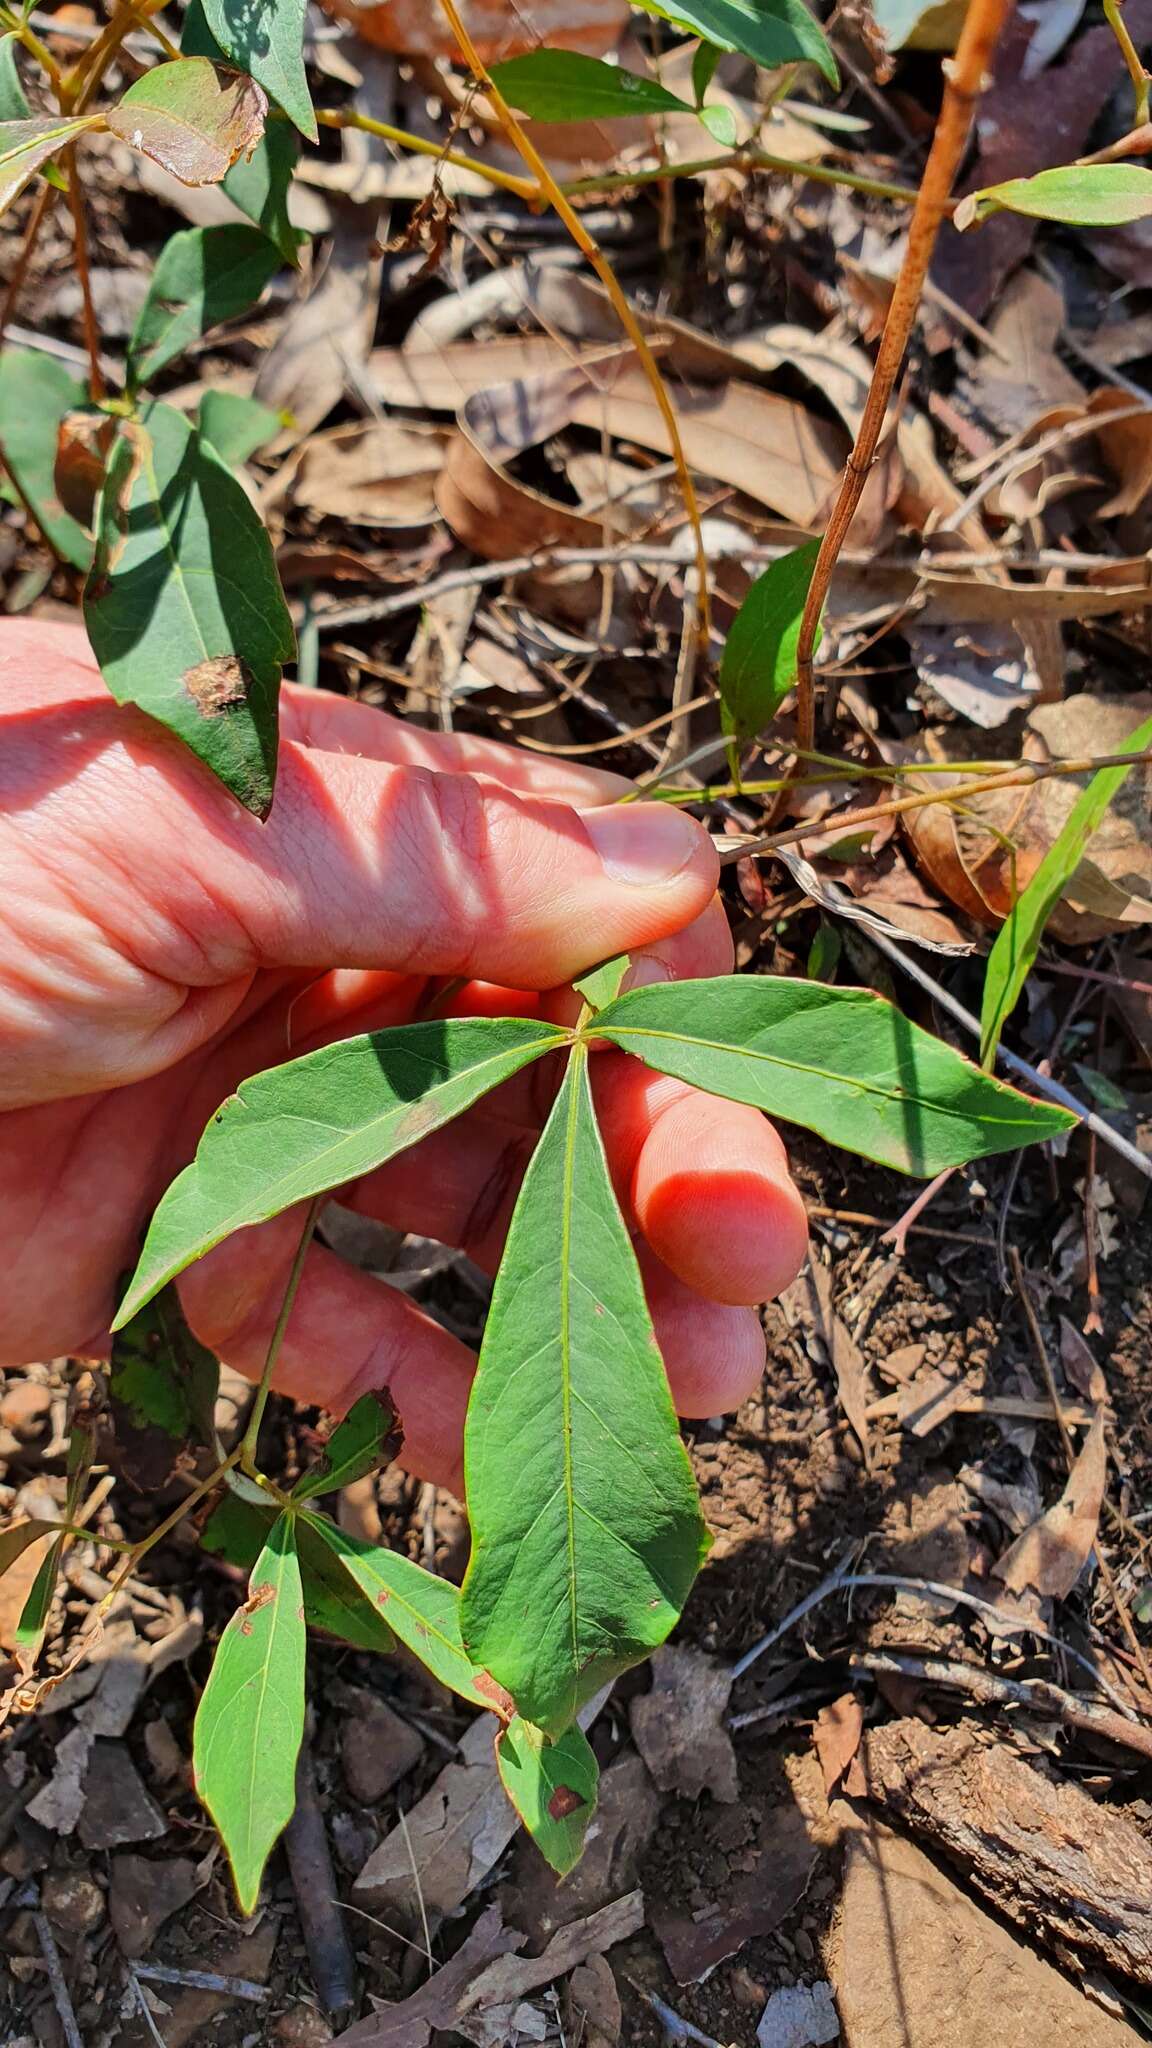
423	1610
235	426
552	1785
325	1119
771	32
1017	942
720	122
840	1061
602	984
36	395
202	276
15	1541
1083	195
267	42
29	146
162	1388
250	1721
586	1531
13	98
29	1631
758	666
563	85
237	1529
184	607
366	1439
191	119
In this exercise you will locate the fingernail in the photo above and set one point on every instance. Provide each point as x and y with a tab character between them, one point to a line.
642	843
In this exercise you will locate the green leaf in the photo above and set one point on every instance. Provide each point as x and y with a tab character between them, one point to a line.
824	952
1017	942
552	1785
184	607
586	1531
29	1632
720	122
190	119
236	1530
704	65
325	1119
423	1610
250	1721
13	99
366	1439
28	146
202	276
771	32
840	1061
235	426
15	1541
162	1388
562	85
602	984
259	186
36	394
758	666
267	42
1083	195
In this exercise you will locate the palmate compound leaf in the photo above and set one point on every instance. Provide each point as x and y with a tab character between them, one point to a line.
424	1611
236	1530
586	1531
1018	940
250	1720
325	1119
183	607
552	1785
840	1061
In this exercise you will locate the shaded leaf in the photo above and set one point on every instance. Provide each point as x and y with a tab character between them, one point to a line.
586	1532
325	1119
423	1610
236	1530
190	119
1013	955
259	186
202	276
82	444
235	426
552	1785
771	32
1083	195
13	98
250	1721
704	65
162	1387
367	1438
184	607
839	1061
564	85
15	1541
36	395
28	146
758	666
34	1615
268	43
720	122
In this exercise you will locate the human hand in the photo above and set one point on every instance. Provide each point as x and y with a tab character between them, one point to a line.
162	945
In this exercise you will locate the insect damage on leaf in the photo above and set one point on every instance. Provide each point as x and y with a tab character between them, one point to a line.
83	442
565	1802
218	685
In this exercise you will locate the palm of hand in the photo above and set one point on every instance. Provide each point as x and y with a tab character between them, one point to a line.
164	945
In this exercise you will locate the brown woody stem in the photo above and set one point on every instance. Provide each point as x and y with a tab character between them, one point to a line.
80	228
965	80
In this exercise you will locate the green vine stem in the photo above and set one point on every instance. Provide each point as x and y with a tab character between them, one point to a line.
1141	79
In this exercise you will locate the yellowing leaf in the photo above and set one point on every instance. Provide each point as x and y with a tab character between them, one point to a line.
192	120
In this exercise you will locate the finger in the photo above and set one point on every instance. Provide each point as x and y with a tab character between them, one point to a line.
339	725
707	1181
349	1334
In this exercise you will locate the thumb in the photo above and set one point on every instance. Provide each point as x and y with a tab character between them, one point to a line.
369	864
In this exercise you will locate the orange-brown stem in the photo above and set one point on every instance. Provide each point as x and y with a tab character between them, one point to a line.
965	78
80	229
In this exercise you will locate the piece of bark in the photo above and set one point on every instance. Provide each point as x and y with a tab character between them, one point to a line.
1077	1875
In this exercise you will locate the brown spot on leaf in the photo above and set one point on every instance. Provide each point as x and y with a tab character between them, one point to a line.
83	442
564	1802
259	1596
217	685
495	1694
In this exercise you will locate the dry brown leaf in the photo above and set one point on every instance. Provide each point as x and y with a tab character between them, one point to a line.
1050	1556
808	1303
679	1729
836	1734
1127	450
1081	1369
413	29
984	674
512	1977
893	889
324	337
437	2003
372	473
451	1837
931	928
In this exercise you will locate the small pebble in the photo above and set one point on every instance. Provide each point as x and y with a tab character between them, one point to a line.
73	1902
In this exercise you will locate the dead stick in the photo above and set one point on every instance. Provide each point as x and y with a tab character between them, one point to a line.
56	1982
1036	1695
965	79
330	1957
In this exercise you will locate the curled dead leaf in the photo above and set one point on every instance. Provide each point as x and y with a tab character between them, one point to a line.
1049	1557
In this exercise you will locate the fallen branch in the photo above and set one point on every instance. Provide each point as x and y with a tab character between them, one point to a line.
1035	1695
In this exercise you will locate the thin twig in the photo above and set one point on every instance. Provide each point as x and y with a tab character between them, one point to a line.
1035	1695
203	1980
965	78
56	1982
